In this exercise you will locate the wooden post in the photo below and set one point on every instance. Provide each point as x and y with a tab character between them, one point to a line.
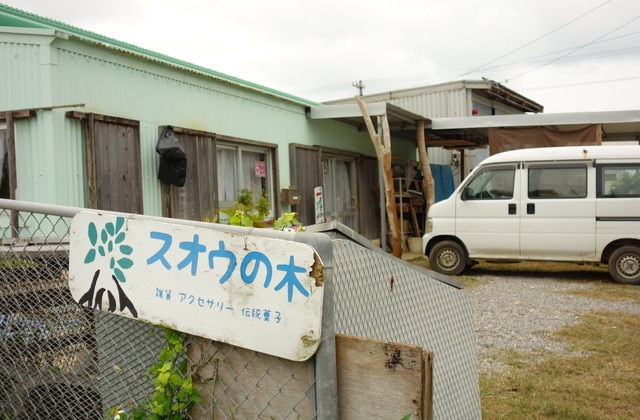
424	166
383	152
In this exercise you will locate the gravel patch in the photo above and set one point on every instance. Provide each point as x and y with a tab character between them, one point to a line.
522	314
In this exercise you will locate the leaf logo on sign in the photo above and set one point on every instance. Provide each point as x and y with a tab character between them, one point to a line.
109	245
111	240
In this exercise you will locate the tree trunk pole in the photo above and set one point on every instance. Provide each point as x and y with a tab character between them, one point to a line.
425	166
383	152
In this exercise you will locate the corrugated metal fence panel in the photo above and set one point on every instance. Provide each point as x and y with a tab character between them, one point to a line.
380	297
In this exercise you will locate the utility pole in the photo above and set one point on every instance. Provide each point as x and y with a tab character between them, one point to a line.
359	85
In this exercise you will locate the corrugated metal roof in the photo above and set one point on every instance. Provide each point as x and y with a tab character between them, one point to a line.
12	17
435	101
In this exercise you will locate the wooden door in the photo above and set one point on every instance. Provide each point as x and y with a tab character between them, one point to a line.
196	200
112	163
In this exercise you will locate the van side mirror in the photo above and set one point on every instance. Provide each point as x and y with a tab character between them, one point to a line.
466	193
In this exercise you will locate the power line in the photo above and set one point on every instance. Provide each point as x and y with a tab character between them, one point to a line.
448	74
565	55
579	47
537	39
595	82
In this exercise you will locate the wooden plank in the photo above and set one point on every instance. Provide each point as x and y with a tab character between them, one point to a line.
306	174
381	379
196	199
117	160
368	202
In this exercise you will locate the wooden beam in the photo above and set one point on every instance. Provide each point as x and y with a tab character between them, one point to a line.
451	143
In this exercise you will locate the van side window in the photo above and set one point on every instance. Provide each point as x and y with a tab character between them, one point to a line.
491	184
557	182
619	180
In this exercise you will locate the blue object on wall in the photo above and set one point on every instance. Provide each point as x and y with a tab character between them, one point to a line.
443	181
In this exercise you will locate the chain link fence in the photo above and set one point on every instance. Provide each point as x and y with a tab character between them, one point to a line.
61	360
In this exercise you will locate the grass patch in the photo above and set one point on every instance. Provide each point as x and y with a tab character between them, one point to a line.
560	270
601	383
613	292
598	377
470	281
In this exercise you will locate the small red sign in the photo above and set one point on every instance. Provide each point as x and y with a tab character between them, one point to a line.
261	169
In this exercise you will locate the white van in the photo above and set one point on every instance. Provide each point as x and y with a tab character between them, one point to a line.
578	204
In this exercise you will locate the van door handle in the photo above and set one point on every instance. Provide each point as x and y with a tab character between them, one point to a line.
531	208
512	208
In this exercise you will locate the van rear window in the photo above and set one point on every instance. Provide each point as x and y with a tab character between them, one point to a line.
619	180
558	182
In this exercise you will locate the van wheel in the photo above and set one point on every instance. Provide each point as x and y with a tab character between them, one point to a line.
624	265
448	257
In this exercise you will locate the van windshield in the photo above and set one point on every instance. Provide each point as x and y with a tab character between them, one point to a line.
491	184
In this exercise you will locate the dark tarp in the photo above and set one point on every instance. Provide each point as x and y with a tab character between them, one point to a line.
503	139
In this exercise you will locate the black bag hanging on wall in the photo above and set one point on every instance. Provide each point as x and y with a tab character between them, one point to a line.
173	161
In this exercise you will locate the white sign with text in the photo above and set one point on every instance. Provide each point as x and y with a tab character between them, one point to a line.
259	293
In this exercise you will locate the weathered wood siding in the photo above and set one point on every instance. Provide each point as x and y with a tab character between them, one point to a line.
196	200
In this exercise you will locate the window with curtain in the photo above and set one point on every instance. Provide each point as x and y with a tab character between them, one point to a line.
244	167
340	190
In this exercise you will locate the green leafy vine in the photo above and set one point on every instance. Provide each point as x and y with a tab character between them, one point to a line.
248	210
173	393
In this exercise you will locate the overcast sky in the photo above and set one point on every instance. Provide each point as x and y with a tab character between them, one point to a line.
569	56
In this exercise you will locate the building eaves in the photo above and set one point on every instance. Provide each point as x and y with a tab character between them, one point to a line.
616	125
12	17
482	87
402	123
533	120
